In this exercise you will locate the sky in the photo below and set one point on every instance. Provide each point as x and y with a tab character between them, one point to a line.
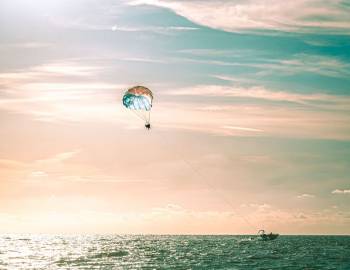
250	118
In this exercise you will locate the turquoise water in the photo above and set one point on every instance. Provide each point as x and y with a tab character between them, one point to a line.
173	252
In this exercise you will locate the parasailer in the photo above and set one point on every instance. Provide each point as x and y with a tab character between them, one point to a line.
139	99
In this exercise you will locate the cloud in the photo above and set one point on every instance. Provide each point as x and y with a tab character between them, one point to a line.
67	69
89	24
144	60
53	93
60	157
255	111
262	159
243	129
298	64
51	70
11	164
256	92
317	64
305	196
62	168
60	91
38	174
155	29
341	191
26	45
303	16
236	53
257	65
100	179
34	170
88	214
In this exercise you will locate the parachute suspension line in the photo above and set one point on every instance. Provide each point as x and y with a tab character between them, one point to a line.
212	187
148	117
147	113
135	112
141	114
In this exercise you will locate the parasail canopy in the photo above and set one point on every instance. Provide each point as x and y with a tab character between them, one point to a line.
139	100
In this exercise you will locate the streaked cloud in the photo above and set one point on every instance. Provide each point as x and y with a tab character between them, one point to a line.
66	216
63	168
341	191
93	25
306	196
50	71
34	170
59	92
257	92
99	179
145	60
67	68
39	174
297	64
243	128
260	159
26	45
303	16
317	64
64	90
58	158
220	52
155	29
11	164
273	120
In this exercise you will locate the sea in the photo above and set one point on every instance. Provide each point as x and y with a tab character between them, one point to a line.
172	252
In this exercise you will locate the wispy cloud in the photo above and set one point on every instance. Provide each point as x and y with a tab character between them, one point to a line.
93	25
169	218
293	16
63	167
11	164
67	68
26	45
306	196
237	53
56	69
58	158
60	91
298	64
35	169
253	119
317	64
341	191
100	179
144	60
155	29
243	129
38	174
257	111
257	92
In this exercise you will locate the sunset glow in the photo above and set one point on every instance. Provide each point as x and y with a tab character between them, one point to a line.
250	118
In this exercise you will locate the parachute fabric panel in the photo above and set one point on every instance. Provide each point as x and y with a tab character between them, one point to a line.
140	90
134	102
139	100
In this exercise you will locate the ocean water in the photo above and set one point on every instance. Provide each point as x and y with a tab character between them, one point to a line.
173	252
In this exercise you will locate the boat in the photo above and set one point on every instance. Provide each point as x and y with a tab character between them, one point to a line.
267	236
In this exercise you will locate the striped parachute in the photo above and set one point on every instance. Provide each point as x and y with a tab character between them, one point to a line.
139	100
